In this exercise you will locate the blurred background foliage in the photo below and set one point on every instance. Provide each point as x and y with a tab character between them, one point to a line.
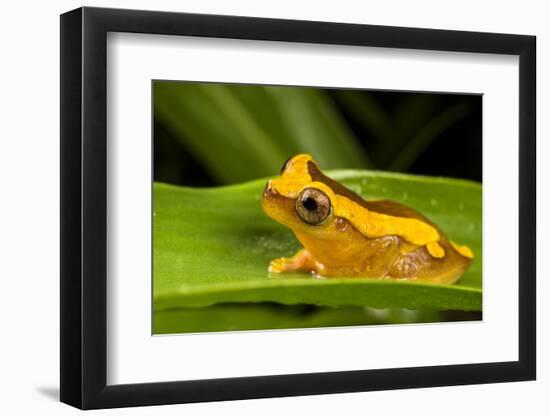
209	134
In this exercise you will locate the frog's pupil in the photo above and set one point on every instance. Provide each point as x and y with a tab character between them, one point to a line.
310	204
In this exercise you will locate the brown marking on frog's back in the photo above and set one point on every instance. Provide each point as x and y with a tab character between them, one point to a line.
389	207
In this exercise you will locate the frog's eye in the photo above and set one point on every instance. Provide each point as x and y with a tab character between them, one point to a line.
285	165
313	206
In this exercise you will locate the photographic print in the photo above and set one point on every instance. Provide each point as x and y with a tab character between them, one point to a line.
286	207
330	185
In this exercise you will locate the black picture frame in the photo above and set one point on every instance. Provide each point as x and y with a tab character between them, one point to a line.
84	207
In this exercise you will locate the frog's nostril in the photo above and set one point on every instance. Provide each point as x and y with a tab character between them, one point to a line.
269	191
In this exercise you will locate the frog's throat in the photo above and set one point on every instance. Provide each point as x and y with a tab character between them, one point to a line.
369	223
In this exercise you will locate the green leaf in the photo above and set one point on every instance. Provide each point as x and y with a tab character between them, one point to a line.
259	316
367	112
316	127
213	246
256	128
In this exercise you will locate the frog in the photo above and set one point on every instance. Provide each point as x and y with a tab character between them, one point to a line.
345	235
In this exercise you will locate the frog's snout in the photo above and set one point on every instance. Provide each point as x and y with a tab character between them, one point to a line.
269	191
276	205
268	199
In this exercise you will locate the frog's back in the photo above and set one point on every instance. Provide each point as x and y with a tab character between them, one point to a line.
392	208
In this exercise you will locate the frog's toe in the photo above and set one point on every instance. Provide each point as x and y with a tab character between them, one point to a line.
301	261
278	265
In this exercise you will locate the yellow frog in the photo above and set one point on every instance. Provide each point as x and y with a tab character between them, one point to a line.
346	236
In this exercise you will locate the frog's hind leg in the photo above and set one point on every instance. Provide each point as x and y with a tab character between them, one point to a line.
422	265
302	261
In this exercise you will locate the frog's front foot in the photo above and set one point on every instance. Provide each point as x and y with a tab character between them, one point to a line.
301	261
